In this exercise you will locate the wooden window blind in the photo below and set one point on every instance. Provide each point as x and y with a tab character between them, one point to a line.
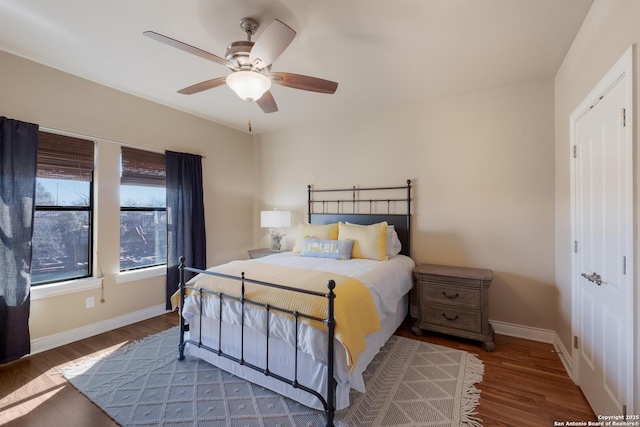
144	168
64	157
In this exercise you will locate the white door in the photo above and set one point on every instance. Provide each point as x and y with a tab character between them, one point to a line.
603	259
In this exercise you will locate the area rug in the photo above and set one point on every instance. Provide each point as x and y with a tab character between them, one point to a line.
409	383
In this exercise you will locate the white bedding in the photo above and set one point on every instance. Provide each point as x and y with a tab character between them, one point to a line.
387	281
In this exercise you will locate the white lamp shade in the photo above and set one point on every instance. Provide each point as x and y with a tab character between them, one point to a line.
275	219
248	85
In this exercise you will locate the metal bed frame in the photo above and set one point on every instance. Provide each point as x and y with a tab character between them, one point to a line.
400	221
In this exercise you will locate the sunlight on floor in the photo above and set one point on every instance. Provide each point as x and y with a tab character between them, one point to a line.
40	389
89	360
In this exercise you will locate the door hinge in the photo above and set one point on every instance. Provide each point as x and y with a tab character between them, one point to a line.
574	151
575	341
624	265
624	117
575	246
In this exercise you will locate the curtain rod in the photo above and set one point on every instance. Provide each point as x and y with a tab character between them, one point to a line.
79	135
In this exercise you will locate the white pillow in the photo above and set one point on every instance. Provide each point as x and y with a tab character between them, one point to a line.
393	242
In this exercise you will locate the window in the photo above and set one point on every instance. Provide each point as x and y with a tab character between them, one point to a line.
143	216
62	226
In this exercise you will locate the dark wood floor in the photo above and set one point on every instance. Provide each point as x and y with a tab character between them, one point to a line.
524	382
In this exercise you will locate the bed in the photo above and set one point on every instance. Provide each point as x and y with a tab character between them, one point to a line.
301	324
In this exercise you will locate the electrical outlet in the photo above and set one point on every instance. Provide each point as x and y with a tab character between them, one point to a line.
90	302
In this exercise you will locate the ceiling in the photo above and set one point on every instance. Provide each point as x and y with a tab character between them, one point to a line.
383	53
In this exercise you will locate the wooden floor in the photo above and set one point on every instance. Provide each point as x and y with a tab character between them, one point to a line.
524	383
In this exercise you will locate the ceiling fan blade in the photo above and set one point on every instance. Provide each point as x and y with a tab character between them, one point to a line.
267	103
271	43
298	81
188	48
202	86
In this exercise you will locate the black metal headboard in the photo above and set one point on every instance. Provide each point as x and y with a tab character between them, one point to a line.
333	210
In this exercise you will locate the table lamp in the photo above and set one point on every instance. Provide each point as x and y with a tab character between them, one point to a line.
272	220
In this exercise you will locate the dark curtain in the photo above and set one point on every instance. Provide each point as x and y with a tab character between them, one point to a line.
185	217
18	167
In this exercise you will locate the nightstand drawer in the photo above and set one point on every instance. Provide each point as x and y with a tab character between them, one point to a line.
452	295
459	319
455	281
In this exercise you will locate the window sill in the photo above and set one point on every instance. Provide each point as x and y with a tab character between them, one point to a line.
143	273
62	288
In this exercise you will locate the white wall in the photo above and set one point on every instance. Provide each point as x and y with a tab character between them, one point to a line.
610	28
38	94
482	166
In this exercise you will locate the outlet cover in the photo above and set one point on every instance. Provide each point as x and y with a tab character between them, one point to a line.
90	302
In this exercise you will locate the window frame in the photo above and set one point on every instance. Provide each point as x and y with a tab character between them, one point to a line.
71	208
149	177
89	210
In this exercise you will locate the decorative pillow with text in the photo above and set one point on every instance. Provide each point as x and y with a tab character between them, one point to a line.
323	248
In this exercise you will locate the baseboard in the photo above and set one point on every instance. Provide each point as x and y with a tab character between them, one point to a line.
526	332
39	345
537	334
565	356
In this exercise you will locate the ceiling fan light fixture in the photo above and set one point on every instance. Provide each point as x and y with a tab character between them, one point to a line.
248	85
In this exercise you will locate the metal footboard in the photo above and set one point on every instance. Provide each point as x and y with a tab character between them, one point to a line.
328	403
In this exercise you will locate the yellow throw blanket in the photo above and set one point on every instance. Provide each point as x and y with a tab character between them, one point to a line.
354	310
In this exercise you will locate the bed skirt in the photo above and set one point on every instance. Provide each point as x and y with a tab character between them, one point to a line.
311	373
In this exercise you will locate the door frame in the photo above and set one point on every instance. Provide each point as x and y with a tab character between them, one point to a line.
623	67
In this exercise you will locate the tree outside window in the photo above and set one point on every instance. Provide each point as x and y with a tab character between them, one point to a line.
62	226
143	219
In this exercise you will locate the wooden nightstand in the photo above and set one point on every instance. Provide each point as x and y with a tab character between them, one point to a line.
455	301
259	253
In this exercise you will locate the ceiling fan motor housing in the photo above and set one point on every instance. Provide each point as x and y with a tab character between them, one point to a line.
238	53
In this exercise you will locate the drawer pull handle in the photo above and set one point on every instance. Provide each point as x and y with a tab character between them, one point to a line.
450	319
450	296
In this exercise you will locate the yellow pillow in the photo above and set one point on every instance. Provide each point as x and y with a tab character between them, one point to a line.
370	241
327	231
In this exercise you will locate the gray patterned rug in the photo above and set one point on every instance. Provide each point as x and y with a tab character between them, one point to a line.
409	383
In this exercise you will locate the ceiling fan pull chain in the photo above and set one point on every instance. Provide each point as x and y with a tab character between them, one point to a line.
250	103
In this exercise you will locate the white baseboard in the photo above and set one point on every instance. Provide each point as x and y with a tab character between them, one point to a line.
526	332
56	340
536	334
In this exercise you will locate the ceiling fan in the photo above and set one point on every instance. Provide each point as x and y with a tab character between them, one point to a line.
250	63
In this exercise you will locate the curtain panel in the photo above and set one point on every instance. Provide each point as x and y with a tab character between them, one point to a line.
185	217
18	168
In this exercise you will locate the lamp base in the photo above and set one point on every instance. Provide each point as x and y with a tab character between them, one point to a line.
276	239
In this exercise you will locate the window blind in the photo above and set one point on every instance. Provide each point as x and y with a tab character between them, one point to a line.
141	167
64	157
